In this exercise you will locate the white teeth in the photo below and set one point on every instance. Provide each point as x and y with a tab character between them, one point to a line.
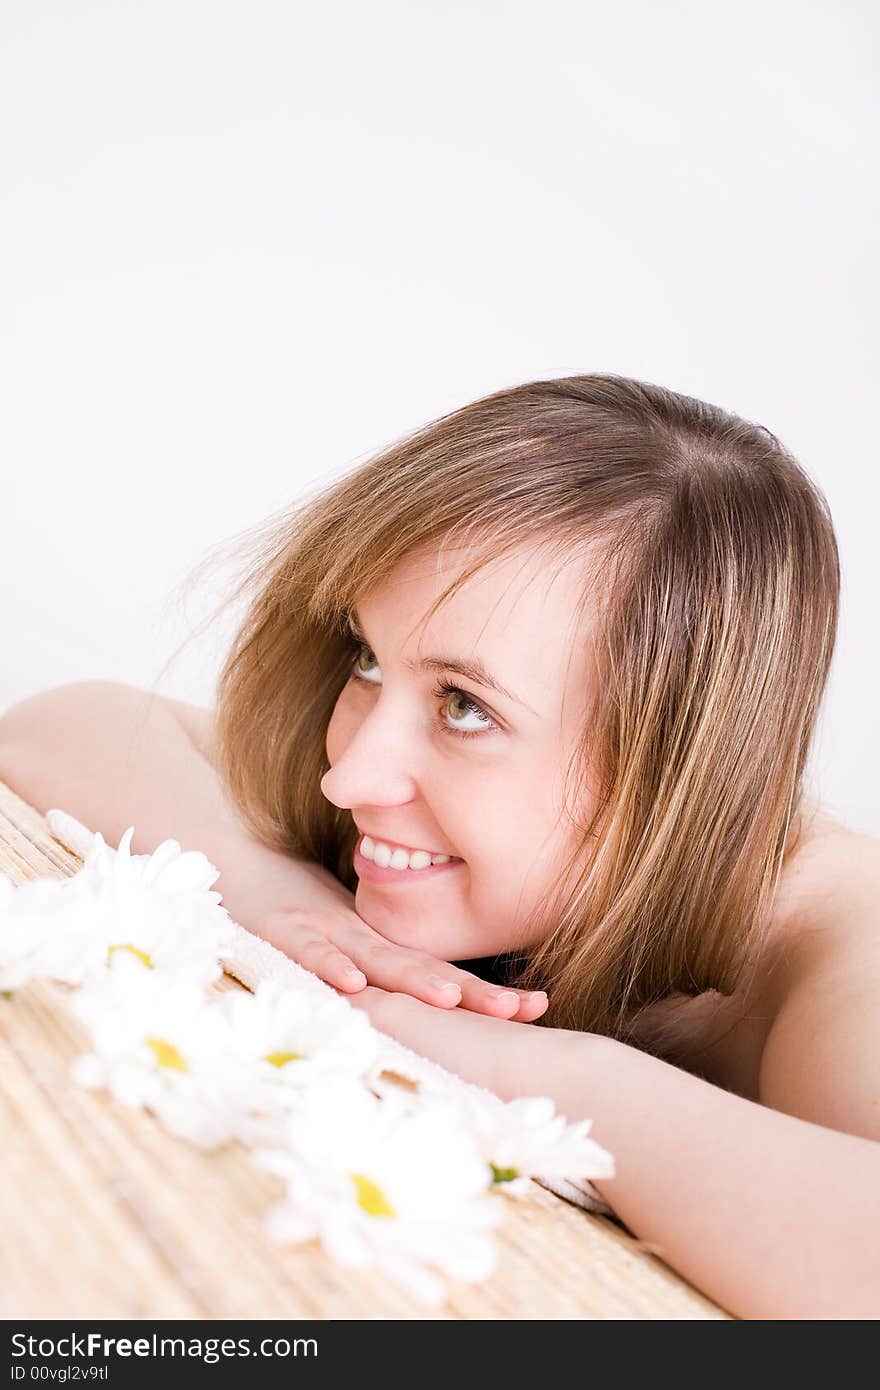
382	855
396	858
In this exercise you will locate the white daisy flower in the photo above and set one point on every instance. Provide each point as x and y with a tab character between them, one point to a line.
154	907
524	1138
164	1045
291	1039
384	1183
25	919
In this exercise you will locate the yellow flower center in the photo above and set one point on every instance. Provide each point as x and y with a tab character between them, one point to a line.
503	1174
126	946
280	1059
371	1197
166	1054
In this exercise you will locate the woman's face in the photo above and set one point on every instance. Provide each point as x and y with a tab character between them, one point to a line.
403	765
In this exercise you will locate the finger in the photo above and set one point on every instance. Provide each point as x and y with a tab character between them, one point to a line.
447	986
315	953
499	1001
506	1002
331	965
358	957
532	1005
401	971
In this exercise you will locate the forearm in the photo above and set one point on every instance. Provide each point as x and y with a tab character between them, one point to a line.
769	1215
114	756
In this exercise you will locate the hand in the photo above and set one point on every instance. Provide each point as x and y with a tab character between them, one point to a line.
338	946
494	1053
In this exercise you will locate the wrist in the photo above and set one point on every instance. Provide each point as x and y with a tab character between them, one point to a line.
540	1061
257	881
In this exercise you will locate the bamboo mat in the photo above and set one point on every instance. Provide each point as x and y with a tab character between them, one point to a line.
104	1214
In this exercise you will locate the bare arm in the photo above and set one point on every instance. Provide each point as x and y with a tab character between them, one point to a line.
770	1215
113	755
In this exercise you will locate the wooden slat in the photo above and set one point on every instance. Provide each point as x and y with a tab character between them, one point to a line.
104	1214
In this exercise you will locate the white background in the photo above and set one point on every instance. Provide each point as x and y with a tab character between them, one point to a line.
247	243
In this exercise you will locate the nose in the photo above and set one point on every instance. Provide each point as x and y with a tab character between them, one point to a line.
376	767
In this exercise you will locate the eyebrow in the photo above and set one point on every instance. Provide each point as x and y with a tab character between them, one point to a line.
472	669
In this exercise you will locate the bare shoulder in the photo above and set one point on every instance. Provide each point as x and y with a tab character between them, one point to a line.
829	889
52	716
198	722
819	1059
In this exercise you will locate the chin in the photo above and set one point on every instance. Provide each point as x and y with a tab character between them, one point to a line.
404	929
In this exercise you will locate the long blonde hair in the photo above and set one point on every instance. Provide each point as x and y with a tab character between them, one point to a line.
719	605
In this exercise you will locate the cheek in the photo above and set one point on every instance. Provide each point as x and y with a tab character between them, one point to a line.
519	841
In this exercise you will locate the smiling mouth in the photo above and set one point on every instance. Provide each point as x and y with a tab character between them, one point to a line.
367	868
391	847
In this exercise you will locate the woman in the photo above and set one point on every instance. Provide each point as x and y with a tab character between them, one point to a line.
535	689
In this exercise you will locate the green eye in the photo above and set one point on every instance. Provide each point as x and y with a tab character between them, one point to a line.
444	691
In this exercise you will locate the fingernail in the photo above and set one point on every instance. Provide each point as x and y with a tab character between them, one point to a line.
439	983
353	970
503	994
